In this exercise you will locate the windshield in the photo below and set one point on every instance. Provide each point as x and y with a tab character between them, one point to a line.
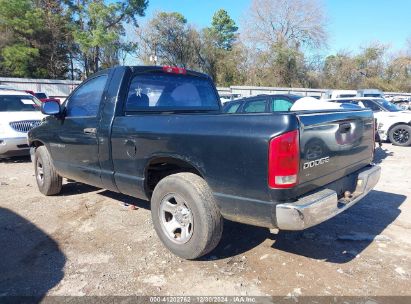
346	95
17	103
372	95
40	95
388	105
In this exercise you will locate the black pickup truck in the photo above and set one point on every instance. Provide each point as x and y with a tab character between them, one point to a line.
158	134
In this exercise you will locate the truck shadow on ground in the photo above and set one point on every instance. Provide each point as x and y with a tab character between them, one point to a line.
31	262
342	238
237	238
74	188
338	240
381	154
16	160
125	199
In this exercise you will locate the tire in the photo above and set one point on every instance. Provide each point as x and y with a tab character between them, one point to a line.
185	215
400	135
48	181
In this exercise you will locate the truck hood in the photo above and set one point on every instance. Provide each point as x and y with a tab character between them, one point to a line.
7	117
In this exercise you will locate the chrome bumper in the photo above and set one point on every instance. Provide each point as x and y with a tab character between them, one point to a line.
323	205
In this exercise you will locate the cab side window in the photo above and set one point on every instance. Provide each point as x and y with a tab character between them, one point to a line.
255	106
85	101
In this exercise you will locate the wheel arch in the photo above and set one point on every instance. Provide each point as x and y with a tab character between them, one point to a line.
397	124
36	143
393	126
161	166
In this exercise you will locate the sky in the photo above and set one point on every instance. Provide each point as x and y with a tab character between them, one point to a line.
352	24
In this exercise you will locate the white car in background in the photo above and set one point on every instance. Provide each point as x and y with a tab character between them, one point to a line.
370	93
394	124
19	112
331	94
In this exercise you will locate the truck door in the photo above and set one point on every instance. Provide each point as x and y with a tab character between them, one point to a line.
75	149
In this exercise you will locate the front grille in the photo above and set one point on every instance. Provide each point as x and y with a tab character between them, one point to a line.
25	125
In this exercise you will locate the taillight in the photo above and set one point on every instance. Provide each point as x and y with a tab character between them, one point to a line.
284	160
174	70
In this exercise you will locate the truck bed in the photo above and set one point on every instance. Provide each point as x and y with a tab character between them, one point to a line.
231	151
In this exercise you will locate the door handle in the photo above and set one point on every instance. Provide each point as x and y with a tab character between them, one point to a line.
90	131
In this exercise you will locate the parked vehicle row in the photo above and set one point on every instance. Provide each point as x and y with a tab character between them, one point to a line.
394	124
332	94
268	103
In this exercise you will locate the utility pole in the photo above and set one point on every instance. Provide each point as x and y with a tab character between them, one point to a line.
153	58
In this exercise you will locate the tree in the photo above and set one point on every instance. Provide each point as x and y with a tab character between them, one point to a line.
340	71
370	62
98	29
276	33
292	23
56	39
398	73
170	38
18	61
20	21
371	68
36	38
223	29
215	47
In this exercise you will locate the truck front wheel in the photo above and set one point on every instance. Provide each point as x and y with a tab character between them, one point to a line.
48	181
400	135
185	215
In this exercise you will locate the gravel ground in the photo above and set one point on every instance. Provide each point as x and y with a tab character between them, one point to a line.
86	242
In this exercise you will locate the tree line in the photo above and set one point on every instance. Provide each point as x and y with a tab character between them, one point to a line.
279	43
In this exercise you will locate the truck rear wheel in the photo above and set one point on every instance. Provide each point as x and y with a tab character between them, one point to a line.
185	215
400	135
48	181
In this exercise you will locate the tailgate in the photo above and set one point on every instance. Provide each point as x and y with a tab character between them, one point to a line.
333	145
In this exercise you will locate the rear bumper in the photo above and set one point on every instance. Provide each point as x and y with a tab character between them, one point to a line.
316	208
13	147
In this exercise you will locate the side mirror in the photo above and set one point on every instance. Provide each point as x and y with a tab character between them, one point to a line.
51	107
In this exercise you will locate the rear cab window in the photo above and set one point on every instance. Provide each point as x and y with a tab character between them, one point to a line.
159	91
